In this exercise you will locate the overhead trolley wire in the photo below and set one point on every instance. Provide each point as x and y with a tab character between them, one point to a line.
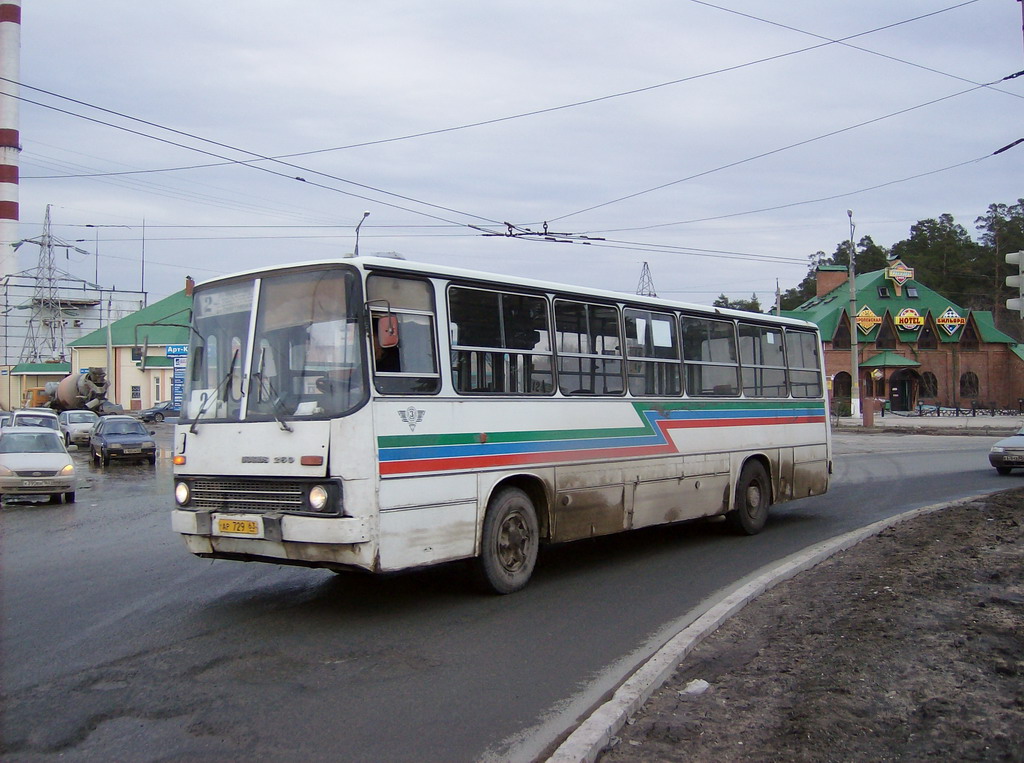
252	163
535	112
843	41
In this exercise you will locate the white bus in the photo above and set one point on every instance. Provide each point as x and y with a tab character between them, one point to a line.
378	414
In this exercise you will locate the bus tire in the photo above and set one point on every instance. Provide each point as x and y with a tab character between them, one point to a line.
509	543
752	499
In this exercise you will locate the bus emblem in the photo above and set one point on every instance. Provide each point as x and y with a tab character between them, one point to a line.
412	417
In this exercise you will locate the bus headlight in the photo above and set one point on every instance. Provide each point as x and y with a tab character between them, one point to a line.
318	497
181	493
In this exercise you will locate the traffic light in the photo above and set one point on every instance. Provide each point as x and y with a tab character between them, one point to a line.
1016	282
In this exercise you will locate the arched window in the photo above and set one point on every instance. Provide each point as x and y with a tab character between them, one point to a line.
886	339
841	385
928	339
969	384
929	385
841	339
969	338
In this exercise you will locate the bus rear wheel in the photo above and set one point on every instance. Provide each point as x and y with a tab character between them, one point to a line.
511	538
753	497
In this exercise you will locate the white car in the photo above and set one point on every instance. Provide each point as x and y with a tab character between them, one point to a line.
35	417
34	461
77	426
1008	454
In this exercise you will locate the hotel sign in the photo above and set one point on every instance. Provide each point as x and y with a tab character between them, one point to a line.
867	320
951	321
909	319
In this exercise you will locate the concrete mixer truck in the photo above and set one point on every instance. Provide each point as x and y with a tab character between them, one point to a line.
82	391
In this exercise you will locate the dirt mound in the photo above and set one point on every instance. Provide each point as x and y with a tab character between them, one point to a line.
909	645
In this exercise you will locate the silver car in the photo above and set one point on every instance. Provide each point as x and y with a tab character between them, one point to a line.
77	426
1008	454
34	461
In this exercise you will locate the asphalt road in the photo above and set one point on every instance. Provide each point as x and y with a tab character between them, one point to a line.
117	644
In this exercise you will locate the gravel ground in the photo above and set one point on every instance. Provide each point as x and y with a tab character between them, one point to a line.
908	646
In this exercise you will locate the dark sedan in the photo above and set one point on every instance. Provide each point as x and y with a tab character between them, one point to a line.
121	437
160	411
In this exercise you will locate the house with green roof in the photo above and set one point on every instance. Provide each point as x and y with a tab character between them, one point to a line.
914	346
139	351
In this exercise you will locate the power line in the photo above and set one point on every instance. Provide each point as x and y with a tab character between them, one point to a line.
764	154
193	191
639	246
535	112
797	203
245	163
842	41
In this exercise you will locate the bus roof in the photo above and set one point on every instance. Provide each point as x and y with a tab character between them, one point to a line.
499	279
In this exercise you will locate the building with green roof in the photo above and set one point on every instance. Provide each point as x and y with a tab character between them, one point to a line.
914	346
158	333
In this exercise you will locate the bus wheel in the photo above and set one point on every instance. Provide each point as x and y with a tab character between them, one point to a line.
511	537
753	496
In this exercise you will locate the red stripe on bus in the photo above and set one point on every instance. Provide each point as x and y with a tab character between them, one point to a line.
463	463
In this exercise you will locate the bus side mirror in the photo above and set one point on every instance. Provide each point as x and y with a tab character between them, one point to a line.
387	331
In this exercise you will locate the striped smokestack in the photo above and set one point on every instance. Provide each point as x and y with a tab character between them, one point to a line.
10	144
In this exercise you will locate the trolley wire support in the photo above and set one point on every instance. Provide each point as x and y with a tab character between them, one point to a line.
518	231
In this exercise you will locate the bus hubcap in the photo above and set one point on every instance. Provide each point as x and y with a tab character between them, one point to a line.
512	542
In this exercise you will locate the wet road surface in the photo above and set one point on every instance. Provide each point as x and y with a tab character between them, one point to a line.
118	644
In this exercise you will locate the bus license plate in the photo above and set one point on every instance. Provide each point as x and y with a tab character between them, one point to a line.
248	527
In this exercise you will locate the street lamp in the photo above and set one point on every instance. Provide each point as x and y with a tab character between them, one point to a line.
358	226
854	355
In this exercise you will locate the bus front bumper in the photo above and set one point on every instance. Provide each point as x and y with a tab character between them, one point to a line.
273	527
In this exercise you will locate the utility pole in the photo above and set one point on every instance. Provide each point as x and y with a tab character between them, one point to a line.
854	354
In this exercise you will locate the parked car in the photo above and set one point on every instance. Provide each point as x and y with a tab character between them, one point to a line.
121	437
34	461
77	426
1008	454
35	417
160	411
5	418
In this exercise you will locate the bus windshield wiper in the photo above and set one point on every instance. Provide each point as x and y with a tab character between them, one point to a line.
224	383
277	407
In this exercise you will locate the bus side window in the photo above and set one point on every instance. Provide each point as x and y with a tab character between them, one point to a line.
411	366
589	347
710	358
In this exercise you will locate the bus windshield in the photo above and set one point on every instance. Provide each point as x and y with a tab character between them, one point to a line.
304	358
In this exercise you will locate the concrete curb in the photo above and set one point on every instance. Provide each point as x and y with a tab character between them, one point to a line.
594	733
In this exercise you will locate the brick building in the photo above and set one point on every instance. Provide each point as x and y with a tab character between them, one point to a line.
915	347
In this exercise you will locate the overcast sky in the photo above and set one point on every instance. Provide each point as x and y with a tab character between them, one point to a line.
722	143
